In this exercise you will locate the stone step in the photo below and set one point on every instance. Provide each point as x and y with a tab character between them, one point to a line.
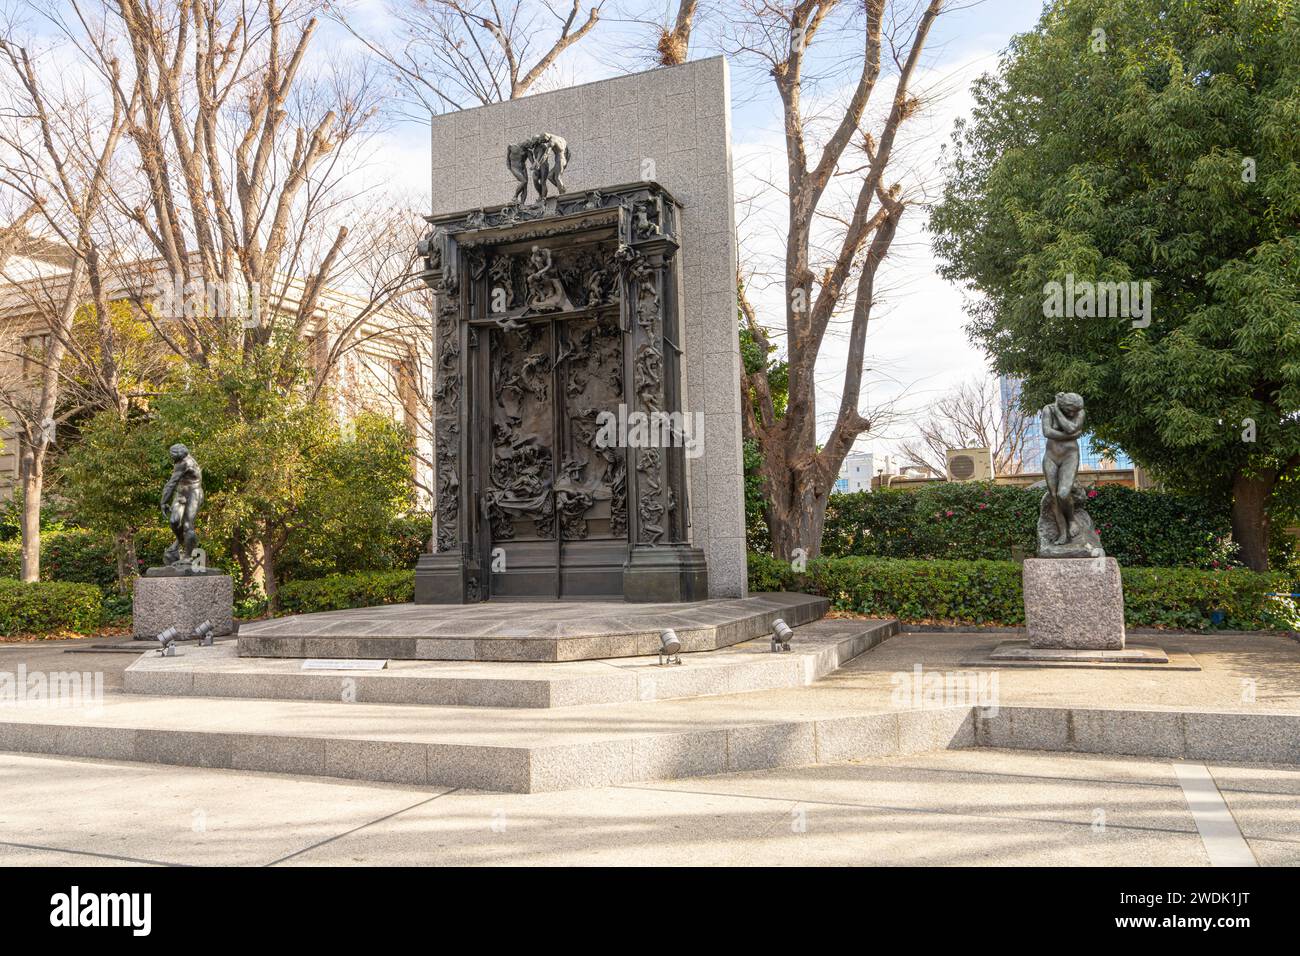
481	748
569	748
817	650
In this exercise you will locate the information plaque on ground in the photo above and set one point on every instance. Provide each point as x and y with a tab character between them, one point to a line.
343	664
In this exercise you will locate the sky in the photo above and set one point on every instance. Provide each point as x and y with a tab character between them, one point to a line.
916	345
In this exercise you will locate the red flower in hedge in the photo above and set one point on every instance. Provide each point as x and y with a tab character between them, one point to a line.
1092	493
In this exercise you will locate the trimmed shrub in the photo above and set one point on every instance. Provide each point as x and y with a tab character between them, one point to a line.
84	556
338	591
71	554
47	607
989	592
980	520
1190	599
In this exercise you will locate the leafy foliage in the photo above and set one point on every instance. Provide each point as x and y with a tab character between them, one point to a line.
83	555
349	518
113	475
757	536
285	483
1161	149
338	591
11	512
48	607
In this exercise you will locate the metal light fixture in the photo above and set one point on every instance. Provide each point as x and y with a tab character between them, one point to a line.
204	634
781	635
168	641
670	647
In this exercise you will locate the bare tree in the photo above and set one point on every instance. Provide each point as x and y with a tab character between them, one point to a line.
971	415
14	232
675	40
452	54
241	173
58	148
832	255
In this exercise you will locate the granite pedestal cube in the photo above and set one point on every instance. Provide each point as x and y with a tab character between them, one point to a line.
1074	603
184	602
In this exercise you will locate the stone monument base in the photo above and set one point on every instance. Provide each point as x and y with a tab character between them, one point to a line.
1017	651
183	601
1075	603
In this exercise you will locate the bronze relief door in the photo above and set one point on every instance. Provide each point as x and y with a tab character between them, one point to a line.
559	447
554	500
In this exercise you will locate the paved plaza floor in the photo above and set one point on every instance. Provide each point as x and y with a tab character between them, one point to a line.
974	807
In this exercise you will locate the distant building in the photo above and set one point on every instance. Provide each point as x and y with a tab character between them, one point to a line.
855	472
384	373
1031	454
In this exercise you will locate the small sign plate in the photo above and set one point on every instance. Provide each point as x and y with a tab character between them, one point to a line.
342	664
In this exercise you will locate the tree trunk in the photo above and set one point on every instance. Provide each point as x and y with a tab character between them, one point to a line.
270	584
795	509
254	563
33	480
127	564
1251	495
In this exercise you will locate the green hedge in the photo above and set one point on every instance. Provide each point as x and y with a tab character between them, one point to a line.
83	556
989	592
47	607
971	521
87	557
339	591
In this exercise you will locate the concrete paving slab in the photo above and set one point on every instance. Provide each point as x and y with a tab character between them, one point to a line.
1275	852
733	822
1239	672
940	809
15	856
1268	815
176	815
1044	788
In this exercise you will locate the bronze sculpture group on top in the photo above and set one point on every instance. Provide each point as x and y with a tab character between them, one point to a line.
541	159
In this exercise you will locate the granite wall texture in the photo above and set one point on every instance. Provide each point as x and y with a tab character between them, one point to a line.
672	125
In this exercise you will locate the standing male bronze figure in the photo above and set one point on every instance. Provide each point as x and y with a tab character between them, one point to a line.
181	498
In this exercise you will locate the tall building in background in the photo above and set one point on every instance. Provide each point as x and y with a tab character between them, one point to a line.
1031	458
855	472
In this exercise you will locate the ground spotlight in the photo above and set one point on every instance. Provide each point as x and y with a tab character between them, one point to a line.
781	635
168	641
670	647
204	634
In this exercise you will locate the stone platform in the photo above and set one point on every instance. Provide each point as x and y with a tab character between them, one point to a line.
1129	657
1242	703
817	650
524	631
